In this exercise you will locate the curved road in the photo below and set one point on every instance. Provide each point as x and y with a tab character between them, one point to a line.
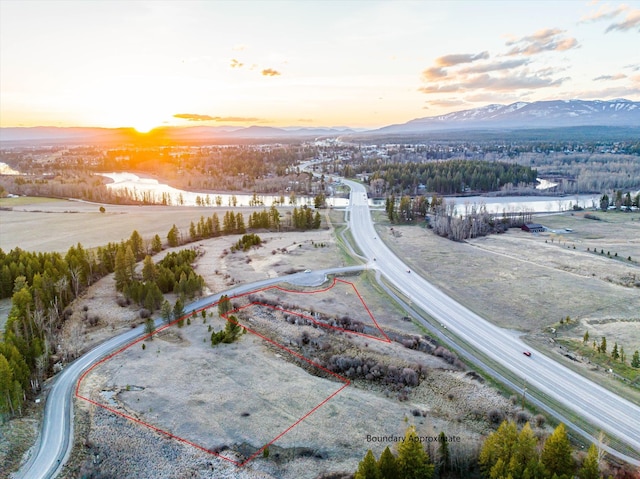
56	437
617	416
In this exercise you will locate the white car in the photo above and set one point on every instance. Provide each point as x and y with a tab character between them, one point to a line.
307	271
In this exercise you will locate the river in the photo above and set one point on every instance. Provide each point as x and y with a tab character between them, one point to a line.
155	191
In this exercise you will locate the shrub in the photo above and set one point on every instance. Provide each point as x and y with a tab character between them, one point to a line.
495	417
144	313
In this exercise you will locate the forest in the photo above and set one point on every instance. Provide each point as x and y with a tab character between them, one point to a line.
443	177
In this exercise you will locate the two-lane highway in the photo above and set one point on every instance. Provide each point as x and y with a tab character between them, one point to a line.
617	416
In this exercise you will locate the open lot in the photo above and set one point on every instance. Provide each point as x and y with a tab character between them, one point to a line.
240	396
529	282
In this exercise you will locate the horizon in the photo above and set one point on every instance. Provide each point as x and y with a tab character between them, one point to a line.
303	65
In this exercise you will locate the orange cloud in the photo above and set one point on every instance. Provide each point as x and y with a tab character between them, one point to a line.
236	64
541	41
457	59
618	76
603	13
631	21
270	72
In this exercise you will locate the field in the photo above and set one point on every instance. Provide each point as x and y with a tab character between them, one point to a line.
235	398
530	282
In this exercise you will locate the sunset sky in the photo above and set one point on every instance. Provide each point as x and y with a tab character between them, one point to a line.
328	63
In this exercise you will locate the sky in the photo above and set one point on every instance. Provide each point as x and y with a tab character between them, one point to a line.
366	64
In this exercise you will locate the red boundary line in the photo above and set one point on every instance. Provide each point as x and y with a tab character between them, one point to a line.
299	356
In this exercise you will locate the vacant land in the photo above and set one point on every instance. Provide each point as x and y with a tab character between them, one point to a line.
530	282
235	398
45	224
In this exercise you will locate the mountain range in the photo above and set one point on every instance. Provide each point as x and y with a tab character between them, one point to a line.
516	116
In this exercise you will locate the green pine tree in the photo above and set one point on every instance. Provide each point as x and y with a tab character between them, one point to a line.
388	465
635	360
368	467
615	355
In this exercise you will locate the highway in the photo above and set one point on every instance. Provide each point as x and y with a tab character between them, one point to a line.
604	409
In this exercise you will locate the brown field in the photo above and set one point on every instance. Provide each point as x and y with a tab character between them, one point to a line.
528	282
183	385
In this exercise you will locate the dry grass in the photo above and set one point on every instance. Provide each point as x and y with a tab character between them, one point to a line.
528	283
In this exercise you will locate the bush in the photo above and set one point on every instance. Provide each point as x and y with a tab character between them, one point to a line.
144	313
539	420
522	417
495	417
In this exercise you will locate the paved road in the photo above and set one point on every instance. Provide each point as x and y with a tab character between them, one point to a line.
599	406
55	441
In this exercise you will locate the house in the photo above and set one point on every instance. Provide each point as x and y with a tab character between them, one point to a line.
533	228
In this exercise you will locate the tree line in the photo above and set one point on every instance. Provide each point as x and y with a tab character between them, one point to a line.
508	452
442	177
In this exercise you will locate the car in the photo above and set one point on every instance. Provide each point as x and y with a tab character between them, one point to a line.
527	353
307	271
408	271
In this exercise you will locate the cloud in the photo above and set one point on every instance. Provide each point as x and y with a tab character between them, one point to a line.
228	119
270	72
541	41
631	21
618	76
434	73
613	92
520	81
236	64
495	66
457	59
603	13
194	117
305	120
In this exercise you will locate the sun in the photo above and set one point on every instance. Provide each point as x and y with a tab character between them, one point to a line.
144	126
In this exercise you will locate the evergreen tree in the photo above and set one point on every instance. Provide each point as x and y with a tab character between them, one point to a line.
156	244
444	458
368	468
413	460
556	454
149	271
615	355
388	465
635	360
130	263
137	245
173	236
585	338
149	327
590	467
178	309
224	305
623	357
121	274
603	345
166	312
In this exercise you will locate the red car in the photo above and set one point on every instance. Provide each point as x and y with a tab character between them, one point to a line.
527	353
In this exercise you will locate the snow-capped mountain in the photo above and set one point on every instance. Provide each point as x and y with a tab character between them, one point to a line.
539	114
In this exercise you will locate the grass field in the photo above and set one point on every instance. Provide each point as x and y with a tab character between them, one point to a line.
528	282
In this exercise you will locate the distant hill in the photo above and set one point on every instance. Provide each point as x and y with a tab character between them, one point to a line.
541	115
523	115
47	135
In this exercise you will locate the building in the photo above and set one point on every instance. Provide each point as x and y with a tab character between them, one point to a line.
533	228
